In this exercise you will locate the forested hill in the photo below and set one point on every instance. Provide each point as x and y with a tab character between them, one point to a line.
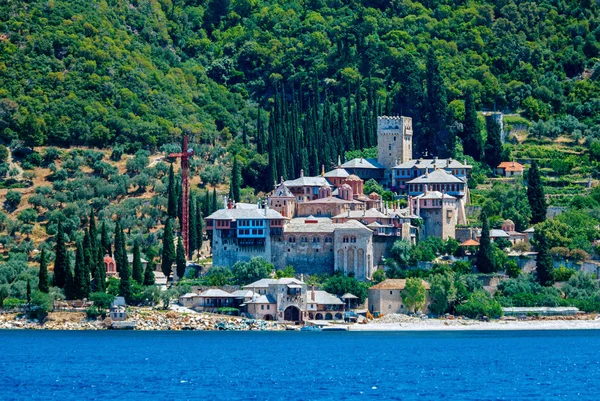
138	72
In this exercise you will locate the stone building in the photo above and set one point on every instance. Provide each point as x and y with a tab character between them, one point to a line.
407	171
510	169
438	211
353	249
394	142
306	188
283	201
386	297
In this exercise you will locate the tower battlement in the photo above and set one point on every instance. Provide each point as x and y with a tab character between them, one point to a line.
394	140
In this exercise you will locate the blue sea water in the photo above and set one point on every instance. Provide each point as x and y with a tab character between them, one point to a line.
108	365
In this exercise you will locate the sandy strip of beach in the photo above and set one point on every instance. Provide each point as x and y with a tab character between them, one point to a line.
466	325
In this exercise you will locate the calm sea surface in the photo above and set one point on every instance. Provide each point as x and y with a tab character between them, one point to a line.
47	365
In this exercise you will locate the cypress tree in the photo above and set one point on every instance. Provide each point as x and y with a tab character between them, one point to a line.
472	141
60	261
138	269
493	143
105	240
119	247
180	259
125	283
535	194
172	195
214	203
168	251
485	255
436	109
100	275
193	232
544	261
93	231
199	228
207	207
81	284
260	140
69	284
88	260
236	178
28	291
43	276
149	274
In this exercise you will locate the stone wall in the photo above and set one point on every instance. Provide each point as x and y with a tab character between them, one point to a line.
382	247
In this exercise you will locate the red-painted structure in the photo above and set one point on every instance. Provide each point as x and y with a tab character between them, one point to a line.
185	192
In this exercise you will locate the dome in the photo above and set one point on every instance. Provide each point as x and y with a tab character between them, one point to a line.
508	221
353	177
345	186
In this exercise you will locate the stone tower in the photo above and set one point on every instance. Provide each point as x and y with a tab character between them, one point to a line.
394	141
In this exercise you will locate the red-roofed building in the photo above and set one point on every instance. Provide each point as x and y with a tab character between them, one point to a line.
111	267
510	169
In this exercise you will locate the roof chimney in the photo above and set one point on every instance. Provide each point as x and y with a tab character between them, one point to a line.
425	189
322	170
301	172
312	295
339	161
281	179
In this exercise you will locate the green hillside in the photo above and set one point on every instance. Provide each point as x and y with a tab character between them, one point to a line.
137	72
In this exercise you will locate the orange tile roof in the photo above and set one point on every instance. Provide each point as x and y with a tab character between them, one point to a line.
470	242
511	166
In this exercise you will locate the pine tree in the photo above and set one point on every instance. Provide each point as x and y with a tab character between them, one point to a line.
180	259
138	269
236	178
168	251
60	251
172	195
493	143
43	276
149	274
105	240
81	281
100	275
485	255
193	231
544	261
535	194
472	141
69	282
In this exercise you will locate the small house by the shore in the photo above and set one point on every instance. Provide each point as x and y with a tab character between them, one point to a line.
386	297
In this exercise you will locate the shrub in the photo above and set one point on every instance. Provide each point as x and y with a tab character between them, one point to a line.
93	312
102	300
480	303
563	274
40	305
12	303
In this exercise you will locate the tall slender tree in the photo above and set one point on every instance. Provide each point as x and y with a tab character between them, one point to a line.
199	229
236	180
119	246
172	195
81	280
485	255
493	143
436	110
214	202
544	262
43	284
180	259
193	232
138	268
125	289
207	208
535	194
105	240
149	273
100	275
60	260
168	251
471	137
69	286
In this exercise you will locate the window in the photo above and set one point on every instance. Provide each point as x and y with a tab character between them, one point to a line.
262	307
316	240
394	139
390	146
353	240
268	307
292	240
391	292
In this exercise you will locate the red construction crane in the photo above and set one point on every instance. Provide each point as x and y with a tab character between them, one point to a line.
185	192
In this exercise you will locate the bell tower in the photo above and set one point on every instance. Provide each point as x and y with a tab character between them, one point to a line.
394	141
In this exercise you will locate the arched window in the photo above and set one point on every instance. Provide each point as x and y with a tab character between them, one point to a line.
292	240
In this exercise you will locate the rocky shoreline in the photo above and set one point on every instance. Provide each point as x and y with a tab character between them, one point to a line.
143	319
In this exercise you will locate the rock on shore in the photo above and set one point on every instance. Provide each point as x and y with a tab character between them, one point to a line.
144	318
